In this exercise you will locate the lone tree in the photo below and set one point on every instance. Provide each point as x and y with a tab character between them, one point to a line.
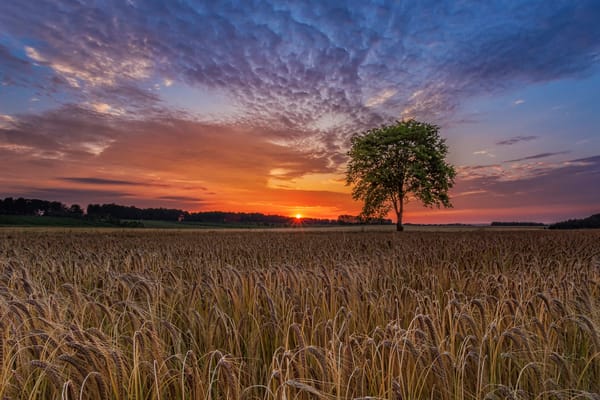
390	164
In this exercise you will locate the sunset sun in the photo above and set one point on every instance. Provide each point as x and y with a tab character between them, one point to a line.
298	216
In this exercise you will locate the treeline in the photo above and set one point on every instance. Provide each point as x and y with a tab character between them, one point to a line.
217	217
132	216
591	222
499	223
22	206
130	212
360	220
173	214
177	215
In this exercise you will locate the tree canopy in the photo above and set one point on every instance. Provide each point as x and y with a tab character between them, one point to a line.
393	163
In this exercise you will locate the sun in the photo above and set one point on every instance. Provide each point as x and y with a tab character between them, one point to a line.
298	216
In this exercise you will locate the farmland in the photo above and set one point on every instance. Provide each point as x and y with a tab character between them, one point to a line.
299	315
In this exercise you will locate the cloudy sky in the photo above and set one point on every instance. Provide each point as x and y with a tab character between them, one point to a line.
249	105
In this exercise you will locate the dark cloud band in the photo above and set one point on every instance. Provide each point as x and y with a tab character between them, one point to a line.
538	156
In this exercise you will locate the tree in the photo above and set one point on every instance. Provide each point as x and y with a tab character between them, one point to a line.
75	210
390	164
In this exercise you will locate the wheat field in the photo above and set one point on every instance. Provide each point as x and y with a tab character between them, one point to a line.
97	314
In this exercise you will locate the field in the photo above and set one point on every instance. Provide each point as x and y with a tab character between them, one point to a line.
147	314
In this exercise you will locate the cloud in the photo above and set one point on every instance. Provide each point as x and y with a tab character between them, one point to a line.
6	121
71	196
123	182
184	199
554	189
537	156
100	181
104	108
67	132
170	158
510	172
529	46
484	153
294	63
519	101
516	139
469	193
98	68
380	98
84	197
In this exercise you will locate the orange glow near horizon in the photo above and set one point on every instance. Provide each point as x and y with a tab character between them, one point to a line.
272	179
195	196
191	195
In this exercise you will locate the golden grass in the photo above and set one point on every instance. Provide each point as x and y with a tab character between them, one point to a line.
303	315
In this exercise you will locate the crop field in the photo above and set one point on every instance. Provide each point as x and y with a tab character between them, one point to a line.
122	314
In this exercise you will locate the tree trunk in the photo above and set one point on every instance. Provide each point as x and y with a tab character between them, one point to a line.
399	227
399	207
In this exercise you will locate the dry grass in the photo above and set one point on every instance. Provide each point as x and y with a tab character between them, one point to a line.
265	315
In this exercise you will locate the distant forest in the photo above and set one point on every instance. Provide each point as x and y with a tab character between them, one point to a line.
116	213
592	222
498	223
21	206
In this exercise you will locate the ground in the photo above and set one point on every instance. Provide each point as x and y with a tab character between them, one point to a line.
153	313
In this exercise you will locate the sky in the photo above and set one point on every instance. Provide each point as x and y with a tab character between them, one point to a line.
249	105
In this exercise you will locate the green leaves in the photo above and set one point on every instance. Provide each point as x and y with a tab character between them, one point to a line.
390	162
